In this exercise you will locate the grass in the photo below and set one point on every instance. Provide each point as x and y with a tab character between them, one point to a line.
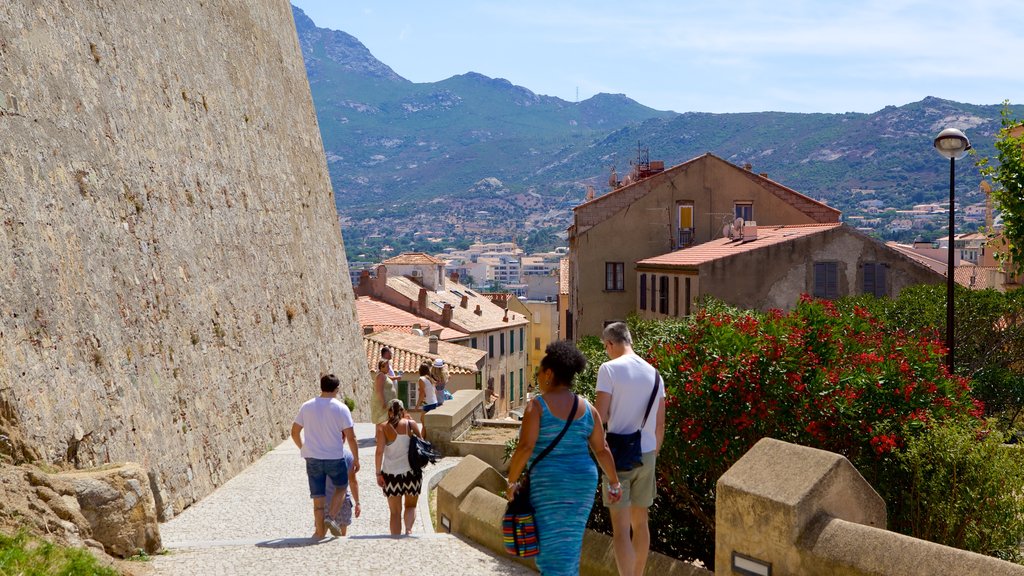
26	555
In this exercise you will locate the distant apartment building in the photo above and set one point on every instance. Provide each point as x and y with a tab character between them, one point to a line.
686	205
417	283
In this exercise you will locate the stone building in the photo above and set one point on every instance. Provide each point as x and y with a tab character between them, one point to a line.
682	206
774	269
172	274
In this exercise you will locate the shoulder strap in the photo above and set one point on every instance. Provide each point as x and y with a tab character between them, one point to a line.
568	422
654	393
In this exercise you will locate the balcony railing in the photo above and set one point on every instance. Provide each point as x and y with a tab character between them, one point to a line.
686	237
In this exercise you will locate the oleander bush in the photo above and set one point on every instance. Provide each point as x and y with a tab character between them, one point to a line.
834	377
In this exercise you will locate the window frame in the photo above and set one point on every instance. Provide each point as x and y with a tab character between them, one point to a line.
830	271
614	276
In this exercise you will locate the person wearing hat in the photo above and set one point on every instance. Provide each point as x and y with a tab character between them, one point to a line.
439	374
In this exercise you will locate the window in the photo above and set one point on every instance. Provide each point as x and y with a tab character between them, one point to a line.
522	339
613	276
522	386
874	279
745	210
501	340
826	280
568	326
685	225
511	341
472	343
686	304
501	391
675	293
490	346
663	295
643	291
536	343
511	385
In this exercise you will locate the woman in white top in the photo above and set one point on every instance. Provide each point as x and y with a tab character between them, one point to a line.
439	374
394	474
427	397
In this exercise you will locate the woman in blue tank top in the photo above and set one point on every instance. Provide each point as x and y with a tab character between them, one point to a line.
563	483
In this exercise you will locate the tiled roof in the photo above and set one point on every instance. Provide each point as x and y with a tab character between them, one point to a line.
408	351
724	247
908	251
413	258
492	316
563	276
382	316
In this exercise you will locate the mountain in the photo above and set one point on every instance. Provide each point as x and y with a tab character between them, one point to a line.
416	164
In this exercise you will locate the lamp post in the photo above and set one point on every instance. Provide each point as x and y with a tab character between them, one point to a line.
952	144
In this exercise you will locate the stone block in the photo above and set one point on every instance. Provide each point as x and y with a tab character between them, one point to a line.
480	515
118	504
767	499
458	482
598	559
453	418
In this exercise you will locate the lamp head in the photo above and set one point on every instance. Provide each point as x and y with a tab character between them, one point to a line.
952	143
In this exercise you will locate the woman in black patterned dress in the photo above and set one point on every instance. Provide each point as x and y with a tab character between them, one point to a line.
394	474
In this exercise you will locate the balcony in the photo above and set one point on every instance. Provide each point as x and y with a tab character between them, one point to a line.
685	239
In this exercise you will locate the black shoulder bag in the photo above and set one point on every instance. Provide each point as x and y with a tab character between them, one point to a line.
421	452
626	447
519	527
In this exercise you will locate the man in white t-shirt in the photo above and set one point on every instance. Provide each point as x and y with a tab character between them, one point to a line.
320	430
624	387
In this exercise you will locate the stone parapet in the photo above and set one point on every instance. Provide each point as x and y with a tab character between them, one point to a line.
789	509
453	418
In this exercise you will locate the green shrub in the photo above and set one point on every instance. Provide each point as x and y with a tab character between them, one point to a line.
29	556
963	490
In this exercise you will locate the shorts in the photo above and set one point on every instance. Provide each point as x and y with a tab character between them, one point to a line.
637	485
429	407
408	484
344	517
317	471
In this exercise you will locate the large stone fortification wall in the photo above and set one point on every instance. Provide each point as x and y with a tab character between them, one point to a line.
172	273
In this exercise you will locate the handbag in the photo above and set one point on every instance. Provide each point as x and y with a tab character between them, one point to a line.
626	447
519	526
421	452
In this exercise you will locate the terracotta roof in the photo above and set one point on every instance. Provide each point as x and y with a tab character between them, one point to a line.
908	251
380	316
408	351
563	276
491	317
413	258
724	247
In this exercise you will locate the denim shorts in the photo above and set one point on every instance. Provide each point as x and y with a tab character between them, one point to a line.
429	407
319	470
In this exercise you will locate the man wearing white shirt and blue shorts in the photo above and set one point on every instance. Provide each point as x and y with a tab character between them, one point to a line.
625	385
320	430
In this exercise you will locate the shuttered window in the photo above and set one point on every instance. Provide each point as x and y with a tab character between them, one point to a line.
643	291
663	295
874	279
826	280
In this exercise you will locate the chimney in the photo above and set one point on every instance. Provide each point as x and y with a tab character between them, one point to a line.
382	281
455	277
367	330
446	314
432	346
465	301
505	319
421	303
478	311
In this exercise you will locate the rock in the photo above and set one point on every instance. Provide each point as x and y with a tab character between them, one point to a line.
119	507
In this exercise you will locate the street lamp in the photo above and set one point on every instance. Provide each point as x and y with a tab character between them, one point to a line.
952	144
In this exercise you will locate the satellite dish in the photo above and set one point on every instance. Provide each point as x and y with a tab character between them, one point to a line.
418	332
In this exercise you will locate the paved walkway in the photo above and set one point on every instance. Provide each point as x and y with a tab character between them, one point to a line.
259	523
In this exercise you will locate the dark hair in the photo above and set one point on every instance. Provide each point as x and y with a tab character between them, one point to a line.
385	350
424	369
564	360
329	383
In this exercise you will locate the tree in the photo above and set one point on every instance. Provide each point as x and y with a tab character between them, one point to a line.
1008	177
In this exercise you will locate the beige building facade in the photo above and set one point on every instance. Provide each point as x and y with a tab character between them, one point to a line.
774	270
685	205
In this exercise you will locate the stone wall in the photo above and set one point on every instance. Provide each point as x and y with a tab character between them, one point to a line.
172	273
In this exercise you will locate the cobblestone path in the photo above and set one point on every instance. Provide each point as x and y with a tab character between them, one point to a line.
259	523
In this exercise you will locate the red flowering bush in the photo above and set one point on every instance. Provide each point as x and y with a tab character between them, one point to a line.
818	376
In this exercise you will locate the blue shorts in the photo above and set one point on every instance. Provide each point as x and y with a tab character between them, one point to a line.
319	470
429	407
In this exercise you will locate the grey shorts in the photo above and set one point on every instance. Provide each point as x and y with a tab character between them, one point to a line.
637	485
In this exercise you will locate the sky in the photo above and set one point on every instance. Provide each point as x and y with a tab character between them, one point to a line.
700	56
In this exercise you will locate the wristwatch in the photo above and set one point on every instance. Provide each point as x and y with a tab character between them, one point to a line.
615	489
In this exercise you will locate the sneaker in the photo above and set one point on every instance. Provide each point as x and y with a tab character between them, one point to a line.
332	525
